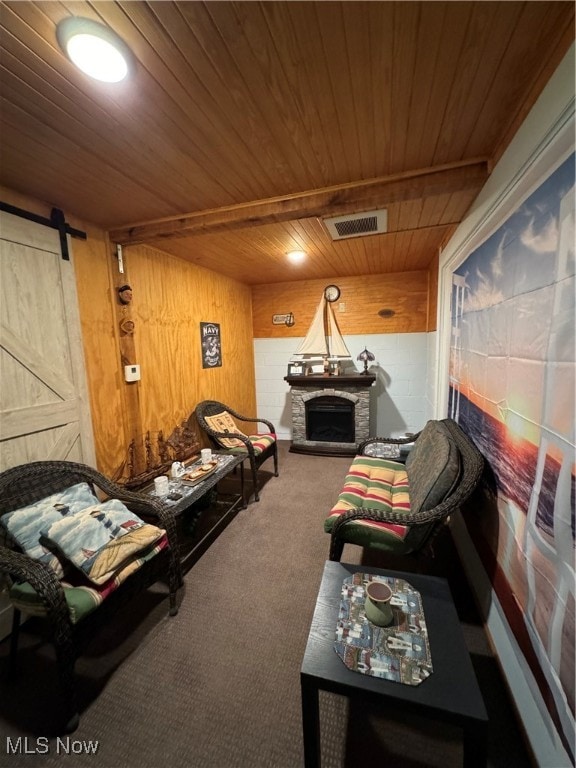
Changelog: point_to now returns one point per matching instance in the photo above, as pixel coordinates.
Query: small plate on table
(199, 472)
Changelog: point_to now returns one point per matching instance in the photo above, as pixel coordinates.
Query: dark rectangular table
(451, 693)
(199, 524)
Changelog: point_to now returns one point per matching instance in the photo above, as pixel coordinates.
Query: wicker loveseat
(399, 508)
(42, 497)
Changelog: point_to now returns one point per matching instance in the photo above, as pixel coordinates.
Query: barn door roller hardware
(56, 221)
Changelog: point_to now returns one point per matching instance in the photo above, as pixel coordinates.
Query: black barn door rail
(56, 221)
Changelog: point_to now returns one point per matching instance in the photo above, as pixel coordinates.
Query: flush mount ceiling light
(296, 257)
(95, 49)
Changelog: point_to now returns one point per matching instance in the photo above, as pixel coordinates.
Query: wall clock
(331, 293)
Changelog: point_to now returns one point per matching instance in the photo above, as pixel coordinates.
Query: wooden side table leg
(310, 723)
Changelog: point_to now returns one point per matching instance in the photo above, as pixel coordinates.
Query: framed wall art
(211, 345)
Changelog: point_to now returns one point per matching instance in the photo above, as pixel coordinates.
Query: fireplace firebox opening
(330, 419)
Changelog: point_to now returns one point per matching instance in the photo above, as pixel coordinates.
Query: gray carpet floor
(218, 686)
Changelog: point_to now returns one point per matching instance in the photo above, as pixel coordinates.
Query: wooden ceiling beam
(337, 200)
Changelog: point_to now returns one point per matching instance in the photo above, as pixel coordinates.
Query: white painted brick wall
(400, 397)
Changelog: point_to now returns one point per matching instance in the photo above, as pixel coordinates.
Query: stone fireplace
(330, 414)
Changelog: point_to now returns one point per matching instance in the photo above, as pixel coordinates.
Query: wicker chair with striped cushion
(219, 422)
(398, 508)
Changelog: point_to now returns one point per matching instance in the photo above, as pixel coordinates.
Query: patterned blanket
(100, 539)
(223, 422)
(26, 524)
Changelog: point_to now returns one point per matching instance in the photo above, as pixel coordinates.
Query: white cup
(177, 470)
(206, 455)
(161, 485)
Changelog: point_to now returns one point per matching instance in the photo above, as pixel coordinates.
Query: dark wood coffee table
(450, 694)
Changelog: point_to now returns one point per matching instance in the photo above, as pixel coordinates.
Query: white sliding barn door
(44, 410)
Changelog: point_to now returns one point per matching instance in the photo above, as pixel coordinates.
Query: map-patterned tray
(399, 652)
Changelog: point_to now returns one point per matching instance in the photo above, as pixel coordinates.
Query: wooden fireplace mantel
(331, 382)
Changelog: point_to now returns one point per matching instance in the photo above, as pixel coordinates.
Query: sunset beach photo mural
(512, 388)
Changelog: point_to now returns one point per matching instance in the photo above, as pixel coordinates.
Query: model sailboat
(324, 340)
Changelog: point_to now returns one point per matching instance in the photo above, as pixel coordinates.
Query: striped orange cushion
(376, 484)
(260, 443)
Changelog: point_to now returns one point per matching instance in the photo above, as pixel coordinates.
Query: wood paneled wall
(92, 266)
(171, 298)
(405, 293)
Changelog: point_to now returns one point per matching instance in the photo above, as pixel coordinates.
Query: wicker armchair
(28, 484)
(216, 420)
(442, 471)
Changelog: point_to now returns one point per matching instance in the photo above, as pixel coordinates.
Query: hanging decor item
(125, 294)
(211, 345)
(517, 286)
(285, 319)
(127, 326)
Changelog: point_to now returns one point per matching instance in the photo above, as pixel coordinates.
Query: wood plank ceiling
(245, 123)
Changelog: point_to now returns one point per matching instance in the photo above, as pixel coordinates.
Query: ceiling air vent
(357, 224)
